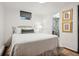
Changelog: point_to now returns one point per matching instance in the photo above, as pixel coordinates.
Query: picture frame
(67, 17)
(24, 15)
(67, 27)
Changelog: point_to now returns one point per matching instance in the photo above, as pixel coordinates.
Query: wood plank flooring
(67, 52)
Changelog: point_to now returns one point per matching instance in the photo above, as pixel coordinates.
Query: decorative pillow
(23, 31)
(16, 30)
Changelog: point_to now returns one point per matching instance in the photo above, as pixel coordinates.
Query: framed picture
(67, 15)
(25, 15)
(67, 27)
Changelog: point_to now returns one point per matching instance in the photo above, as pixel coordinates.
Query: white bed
(30, 38)
(34, 37)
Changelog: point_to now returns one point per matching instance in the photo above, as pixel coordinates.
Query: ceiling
(36, 7)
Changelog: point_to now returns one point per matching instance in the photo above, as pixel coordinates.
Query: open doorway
(55, 21)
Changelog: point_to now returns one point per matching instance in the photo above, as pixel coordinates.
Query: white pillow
(18, 30)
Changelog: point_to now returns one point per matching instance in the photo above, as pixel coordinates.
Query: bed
(32, 44)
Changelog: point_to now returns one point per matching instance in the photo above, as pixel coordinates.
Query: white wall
(69, 40)
(1, 25)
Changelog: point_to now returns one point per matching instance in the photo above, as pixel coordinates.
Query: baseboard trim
(71, 50)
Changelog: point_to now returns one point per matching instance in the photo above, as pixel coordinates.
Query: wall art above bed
(25, 15)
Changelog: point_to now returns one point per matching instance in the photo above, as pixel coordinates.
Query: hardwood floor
(67, 52)
(57, 52)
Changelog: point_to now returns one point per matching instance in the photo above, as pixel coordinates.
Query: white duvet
(30, 37)
(23, 38)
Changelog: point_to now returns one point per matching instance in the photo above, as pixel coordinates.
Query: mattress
(32, 43)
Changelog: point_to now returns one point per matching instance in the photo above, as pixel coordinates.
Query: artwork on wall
(25, 15)
(67, 27)
(67, 17)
